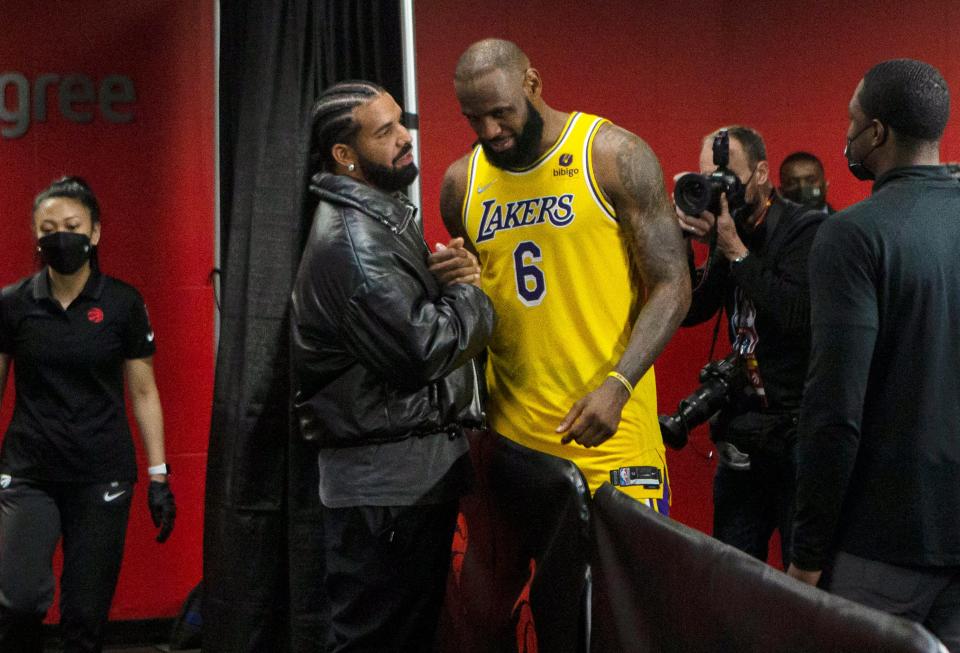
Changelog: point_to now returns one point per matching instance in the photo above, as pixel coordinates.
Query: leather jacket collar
(395, 210)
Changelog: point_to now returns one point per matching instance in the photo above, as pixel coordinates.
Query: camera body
(720, 381)
(695, 193)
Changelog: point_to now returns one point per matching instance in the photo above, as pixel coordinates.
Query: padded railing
(519, 579)
(661, 586)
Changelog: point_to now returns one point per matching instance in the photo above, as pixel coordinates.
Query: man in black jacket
(385, 381)
(879, 455)
(758, 274)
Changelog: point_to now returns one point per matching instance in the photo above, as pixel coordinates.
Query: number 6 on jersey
(531, 285)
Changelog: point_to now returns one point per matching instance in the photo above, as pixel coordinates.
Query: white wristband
(157, 469)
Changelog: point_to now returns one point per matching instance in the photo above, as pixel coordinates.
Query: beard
(525, 149)
(389, 179)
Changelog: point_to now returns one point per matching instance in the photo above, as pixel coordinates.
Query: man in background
(802, 180)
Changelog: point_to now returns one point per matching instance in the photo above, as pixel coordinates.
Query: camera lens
(673, 431)
(717, 379)
(692, 193)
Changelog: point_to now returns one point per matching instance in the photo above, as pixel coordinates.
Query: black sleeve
(397, 331)
(779, 288)
(6, 328)
(709, 285)
(6, 338)
(844, 319)
(138, 338)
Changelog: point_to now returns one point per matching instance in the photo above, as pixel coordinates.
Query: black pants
(927, 595)
(386, 575)
(748, 505)
(92, 519)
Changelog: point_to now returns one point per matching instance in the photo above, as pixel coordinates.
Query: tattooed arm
(630, 176)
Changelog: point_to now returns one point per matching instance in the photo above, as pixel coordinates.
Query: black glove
(163, 510)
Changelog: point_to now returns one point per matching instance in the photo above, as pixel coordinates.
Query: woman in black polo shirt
(67, 466)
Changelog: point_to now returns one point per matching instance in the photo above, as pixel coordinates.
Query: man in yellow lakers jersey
(584, 262)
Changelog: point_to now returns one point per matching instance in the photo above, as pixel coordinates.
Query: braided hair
(332, 118)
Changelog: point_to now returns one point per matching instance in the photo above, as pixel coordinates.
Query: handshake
(454, 263)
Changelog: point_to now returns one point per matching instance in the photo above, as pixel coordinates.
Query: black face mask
(808, 195)
(64, 251)
(858, 168)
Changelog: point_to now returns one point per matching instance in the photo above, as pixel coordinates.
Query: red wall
(154, 177)
(671, 72)
(659, 69)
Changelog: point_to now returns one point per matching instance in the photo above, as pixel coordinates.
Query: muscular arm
(452, 191)
(629, 175)
(145, 400)
(455, 262)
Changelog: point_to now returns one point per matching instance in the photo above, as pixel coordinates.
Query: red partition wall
(122, 94)
(672, 71)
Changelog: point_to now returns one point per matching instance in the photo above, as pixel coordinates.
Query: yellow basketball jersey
(555, 263)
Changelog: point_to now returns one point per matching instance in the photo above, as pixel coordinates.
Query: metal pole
(410, 93)
(215, 278)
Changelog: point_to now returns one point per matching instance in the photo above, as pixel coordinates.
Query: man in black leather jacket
(384, 377)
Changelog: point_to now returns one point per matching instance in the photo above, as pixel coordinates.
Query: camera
(695, 193)
(719, 380)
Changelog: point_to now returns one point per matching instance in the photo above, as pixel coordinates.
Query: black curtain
(262, 563)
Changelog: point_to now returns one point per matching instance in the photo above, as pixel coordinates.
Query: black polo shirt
(69, 421)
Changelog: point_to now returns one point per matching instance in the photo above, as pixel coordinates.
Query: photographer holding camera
(757, 272)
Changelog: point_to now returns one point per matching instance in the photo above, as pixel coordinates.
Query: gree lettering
(77, 97)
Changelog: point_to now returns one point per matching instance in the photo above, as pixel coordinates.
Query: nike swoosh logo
(108, 497)
(483, 188)
(150, 337)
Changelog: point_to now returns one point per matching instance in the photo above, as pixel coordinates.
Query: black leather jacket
(380, 351)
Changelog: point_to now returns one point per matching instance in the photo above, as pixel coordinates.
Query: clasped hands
(453, 263)
(593, 418)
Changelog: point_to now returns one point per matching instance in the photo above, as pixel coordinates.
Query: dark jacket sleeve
(709, 285)
(779, 286)
(6, 338)
(844, 323)
(396, 330)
